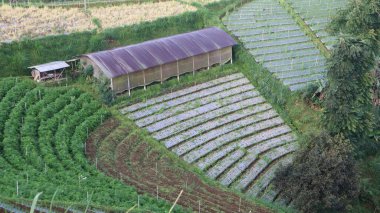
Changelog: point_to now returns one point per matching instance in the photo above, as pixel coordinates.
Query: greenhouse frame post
(161, 73)
(144, 80)
(129, 86)
(177, 71)
(208, 61)
(193, 66)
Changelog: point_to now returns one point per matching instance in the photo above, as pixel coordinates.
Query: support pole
(208, 61)
(177, 71)
(176, 200)
(231, 54)
(144, 80)
(129, 86)
(111, 83)
(193, 66)
(161, 73)
(220, 57)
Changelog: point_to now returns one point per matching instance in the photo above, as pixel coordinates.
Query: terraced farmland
(224, 127)
(317, 14)
(275, 40)
(42, 149)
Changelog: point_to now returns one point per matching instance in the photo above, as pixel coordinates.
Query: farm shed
(157, 60)
(49, 71)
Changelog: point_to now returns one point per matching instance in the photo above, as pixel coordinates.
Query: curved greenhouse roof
(129, 59)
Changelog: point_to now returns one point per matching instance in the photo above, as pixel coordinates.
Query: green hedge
(17, 56)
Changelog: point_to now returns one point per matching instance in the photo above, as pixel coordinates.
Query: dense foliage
(359, 18)
(42, 148)
(348, 103)
(323, 176)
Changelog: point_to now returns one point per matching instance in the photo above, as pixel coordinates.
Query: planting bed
(42, 144)
(275, 40)
(224, 127)
(125, 155)
(317, 14)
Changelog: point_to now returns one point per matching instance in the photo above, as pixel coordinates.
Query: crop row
(277, 42)
(317, 14)
(223, 135)
(43, 149)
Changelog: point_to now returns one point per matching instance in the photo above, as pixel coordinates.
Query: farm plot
(317, 14)
(42, 144)
(275, 40)
(224, 127)
(17, 23)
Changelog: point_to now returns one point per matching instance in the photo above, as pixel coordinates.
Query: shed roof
(132, 58)
(56, 65)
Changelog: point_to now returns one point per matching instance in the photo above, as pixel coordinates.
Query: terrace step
(224, 133)
(264, 162)
(222, 165)
(224, 97)
(223, 130)
(185, 99)
(240, 167)
(269, 195)
(200, 118)
(301, 72)
(181, 93)
(278, 42)
(267, 37)
(256, 138)
(281, 49)
(259, 31)
(291, 54)
(268, 176)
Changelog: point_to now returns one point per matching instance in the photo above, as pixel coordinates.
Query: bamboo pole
(176, 200)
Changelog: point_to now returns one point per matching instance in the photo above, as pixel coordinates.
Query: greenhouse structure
(157, 60)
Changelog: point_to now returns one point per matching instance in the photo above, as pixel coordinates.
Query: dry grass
(16, 23)
(132, 14)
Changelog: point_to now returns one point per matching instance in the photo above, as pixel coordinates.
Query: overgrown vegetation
(323, 176)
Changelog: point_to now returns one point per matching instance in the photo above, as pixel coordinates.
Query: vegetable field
(42, 145)
(275, 40)
(317, 14)
(122, 151)
(224, 127)
(17, 23)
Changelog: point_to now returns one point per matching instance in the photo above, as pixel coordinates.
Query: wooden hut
(157, 60)
(50, 71)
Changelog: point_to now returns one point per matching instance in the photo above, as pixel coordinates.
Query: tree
(348, 103)
(323, 176)
(361, 19)
(105, 91)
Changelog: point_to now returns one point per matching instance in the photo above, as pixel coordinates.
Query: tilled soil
(138, 164)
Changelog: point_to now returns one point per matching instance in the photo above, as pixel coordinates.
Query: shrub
(323, 176)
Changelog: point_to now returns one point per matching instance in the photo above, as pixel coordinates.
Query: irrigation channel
(225, 128)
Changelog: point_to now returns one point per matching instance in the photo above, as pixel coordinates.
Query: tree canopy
(322, 177)
(348, 103)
